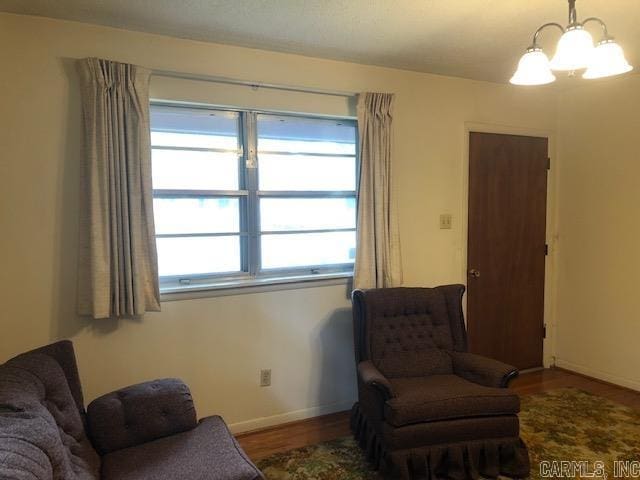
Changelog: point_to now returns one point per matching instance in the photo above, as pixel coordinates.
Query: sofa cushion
(62, 352)
(444, 397)
(28, 445)
(37, 407)
(208, 452)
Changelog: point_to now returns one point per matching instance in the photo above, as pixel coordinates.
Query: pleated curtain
(378, 260)
(117, 264)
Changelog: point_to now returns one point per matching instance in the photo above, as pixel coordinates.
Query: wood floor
(261, 444)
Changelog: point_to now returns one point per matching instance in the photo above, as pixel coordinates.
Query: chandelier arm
(542, 27)
(602, 24)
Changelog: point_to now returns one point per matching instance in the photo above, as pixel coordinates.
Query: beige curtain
(118, 269)
(378, 262)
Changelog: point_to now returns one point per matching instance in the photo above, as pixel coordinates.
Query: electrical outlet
(445, 221)
(265, 377)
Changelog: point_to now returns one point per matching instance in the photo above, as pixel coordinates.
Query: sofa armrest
(371, 376)
(482, 370)
(140, 413)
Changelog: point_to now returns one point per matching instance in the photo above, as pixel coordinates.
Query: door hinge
(548, 163)
(546, 249)
(544, 331)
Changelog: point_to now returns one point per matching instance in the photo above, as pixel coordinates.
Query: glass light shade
(607, 60)
(574, 50)
(533, 69)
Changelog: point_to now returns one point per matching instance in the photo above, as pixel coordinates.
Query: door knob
(474, 273)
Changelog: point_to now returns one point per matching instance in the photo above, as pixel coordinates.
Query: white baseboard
(599, 374)
(273, 420)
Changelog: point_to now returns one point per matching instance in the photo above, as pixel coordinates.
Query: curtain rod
(254, 85)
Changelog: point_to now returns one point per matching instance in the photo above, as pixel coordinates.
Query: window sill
(241, 287)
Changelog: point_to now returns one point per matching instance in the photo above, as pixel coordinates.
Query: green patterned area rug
(560, 425)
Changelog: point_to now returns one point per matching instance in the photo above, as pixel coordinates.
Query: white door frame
(549, 344)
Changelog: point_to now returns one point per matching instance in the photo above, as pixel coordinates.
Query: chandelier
(575, 51)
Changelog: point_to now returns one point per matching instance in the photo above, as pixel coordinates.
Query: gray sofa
(143, 432)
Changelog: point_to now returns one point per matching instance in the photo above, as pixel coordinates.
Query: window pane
(196, 215)
(304, 172)
(307, 249)
(198, 255)
(283, 133)
(195, 128)
(281, 214)
(193, 170)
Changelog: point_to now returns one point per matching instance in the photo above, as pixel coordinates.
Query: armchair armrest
(140, 413)
(371, 376)
(482, 370)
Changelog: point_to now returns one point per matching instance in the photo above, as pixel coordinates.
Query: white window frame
(251, 274)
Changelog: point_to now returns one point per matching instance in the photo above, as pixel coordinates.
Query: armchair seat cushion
(208, 452)
(445, 397)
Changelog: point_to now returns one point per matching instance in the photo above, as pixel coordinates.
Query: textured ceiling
(477, 39)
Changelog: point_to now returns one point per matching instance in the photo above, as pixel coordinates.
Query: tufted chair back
(406, 332)
(42, 418)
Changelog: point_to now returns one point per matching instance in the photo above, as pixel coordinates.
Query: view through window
(242, 195)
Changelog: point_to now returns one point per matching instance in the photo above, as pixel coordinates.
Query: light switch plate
(445, 221)
(265, 377)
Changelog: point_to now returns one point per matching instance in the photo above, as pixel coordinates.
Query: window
(243, 196)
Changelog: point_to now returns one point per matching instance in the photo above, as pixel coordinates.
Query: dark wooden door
(506, 247)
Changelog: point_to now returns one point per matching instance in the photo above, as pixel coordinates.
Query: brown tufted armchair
(427, 408)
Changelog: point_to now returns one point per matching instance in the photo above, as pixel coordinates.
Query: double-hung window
(242, 197)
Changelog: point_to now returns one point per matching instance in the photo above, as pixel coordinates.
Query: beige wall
(599, 235)
(218, 344)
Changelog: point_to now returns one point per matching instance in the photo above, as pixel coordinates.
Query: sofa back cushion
(43, 434)
(63, 353)
(408, 331)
